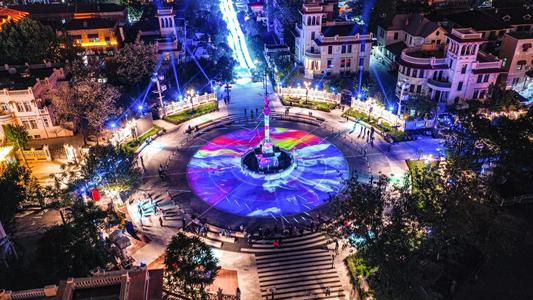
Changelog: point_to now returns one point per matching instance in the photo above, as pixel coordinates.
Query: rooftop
(41, 8)
(19, 79)
(413, 24)
(520, 35)
(481, 20)
(341, 29)
(95, 23)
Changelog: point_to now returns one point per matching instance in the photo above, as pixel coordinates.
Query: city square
(235, 149)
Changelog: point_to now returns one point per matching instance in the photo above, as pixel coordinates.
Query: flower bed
(199, 110)
(385, 128)
(133, 145)
(300, 102)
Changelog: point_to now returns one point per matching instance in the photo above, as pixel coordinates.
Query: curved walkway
(164, 151)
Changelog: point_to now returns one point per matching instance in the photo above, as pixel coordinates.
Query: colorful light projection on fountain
(216, 174)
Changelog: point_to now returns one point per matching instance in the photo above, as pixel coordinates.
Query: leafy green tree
(190, 265)
(29, 41)
(134, 63)
(74, 249)
(12, 184)
(17, 136)
(503, 100)
(111, 168)
(420, 106)
(86, 103)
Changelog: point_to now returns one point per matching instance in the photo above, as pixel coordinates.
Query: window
(20, 108)
(438, 42)
(343, 49)
(437, 33)
(415, 73)
(395, 35)
(348, 63)
(46, 123)
(479, 78)
(26, 124)
(330, 64)
(408, 73)
(418, 89)
(343, 63)
(463, 69)
(422, 73)
(330, 49)
(33, 124)
(411, 88)
(410, 40)
(482, 95)
(27, 106)
(349, 48)
(312, 35)
(460, 86)
(486, 78)
(475, 95)
(520, 64)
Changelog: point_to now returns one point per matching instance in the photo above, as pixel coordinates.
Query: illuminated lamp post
(190, 94)
(156, 79)
(307, 84)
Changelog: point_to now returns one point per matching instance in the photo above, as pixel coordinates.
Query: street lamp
(403, 96)
(190, 94)
(156, 79)
(307, 84)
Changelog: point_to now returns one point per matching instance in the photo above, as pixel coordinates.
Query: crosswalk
(302, 268)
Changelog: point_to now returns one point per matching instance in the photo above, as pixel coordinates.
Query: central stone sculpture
(266, 158)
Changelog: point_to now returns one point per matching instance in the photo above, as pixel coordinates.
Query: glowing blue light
(113, 125)
(180, 97)
(333, 89)
(359, 95)
(391, 108)
(316, 87)
(140, 107)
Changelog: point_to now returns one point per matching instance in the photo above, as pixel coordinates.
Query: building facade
(21, 102)
(327, 47)
(96, 36)
(517, 55)
(460, 72)
(407, 31)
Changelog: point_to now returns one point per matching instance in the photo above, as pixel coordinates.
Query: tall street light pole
(156, 79)
(190, 93)
(307, 83)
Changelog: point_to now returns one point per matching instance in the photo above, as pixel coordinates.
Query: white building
(517, 55)
(461, 72)
(407, 31)
(326, 47)
(21, 101)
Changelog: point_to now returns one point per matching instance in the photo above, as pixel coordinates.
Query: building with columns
(326, 47)
(460, 72)
(21, 101)
(517, 55)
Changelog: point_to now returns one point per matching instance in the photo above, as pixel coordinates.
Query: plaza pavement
(249, 95)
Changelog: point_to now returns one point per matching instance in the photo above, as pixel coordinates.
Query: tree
(87, 103)
(420, 106)
(18, 136)
(134, 63)
(12, 185)
(29, 41)
(74, 249)
(503, 100)
(111, 168)
(190, 264)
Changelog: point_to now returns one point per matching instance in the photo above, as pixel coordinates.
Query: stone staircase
(302, 268)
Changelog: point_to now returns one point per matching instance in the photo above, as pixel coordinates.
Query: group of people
(162, 172)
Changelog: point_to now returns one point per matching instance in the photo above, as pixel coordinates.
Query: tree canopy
(134, 63)
(12, 184)
(74, 249)
(111, 168)
(87, 103)
(190, 264)
(29, 41)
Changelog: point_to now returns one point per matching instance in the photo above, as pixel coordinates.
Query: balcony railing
(312, 54)
(440, 84)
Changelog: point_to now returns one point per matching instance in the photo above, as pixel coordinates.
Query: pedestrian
(169, 195)
(238, 294)
(160, 222)
(160, 170)
(328, 291)
(343, 109)
(196, 127)
(142, 162)
(276, 244)
(332, 261)
(219, 294)
(241, 227)
(336, 246)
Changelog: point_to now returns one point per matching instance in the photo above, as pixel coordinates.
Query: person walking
(332, 260)
(142, 163)
(328, 292)
(238, 294)
(336, 246)
(160, 221)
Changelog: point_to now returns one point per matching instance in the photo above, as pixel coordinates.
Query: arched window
(463, 49)
(314, 20)
(474, 49)
(308, 21)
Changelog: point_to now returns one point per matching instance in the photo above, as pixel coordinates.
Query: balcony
(440, 85)
(423, 58)
(314, 54)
